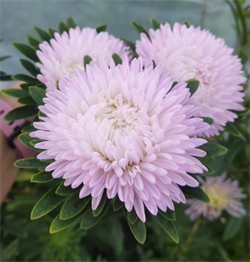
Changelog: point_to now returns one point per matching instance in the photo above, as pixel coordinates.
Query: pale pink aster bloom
(65, 53)
(120, 129)
(224, 194)
(194, 53)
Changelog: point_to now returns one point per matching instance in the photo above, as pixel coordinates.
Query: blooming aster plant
(224, 194)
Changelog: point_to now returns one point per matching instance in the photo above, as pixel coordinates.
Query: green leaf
(117, 204)
(63, 28)
(21, 112)
(132, 217)
(139, 231)
(28, 128)
(195, 193)
(25, 78)
(101, 28)
(209, 172)
(26, 139)
(230, 128)
(47, 203)
(100, 207)
(139, 28)
(89, 220)
(154, 64)
(9, 252)
(25, 87)
(155, 24)
(27, 100)
(4, 58)
(71, 23)
(25, 175)
(37, 94)
(51, 32)
(63, 190)
(168, 226)
(208, 120)
(29, 67)
(73, 206)
(58, 224)
(33, 142)
(169, 214)
(32, 162)
(33, 41)
(5, 77)
(14, 92)
(213, 149)
(28, 51)
(232, 228)
(193, 86)
(42, 34)
(117, 59)
(86, 60)
(186, 23)
(128, 43)
(42, 177)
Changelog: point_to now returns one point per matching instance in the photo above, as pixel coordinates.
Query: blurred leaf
(31, 163)
(25, 78)
(24, 175)
(132, 217)
(5, 77)
(230, 128)
(37, 94)
(42, 34)
(186, 23)
(33, 41)
(117, 204)
(63, 28)
(26, 139)
(213, 149)
(128, 43)
(208, 120)
(140, 29)
(48, 202)
(195, 193)
(155, 24)
(51, 32)
(21, 112)
(73, 206)
(71, 23)
(11, 251)
(89, 220)
(42, 177)
(100, 207)
(28, 128)
(139, 231)
(14, 92)
(25, 86)
(29, 67)
(168, 226)
(86, 60)
(28, 51)
(193, 86)
(169, 214)
(101, 28)
(117, 59)
(4, 58)
(28, 100)
(63, 190)
(232, 228)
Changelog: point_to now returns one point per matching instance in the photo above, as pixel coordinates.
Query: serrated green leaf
(29, 67)
(28, 51)
(47, 203)
(42, 34)
(192, 85)
(25, 78)
(4, 58)
(42, 177)
(186, 23)
(63, 28)
(32, 162)
(232, 228)
(195, 193)
(37, 94)
(27, 100)
(14, 92)
(71, 23)
(139, 231)
(213, 149)
(28, 128)
(51, 32)
(132, 217)
(101, 28)
(86, 60)
(139, 28)
(208, 120)
(73, 206)
(33, 41)
(26, 139)
(100, 207)
(117, 204)
(21, 112)
(169, 214)
(230, 128)
(155, 24)
(63, 190)
(58, 224)
(117, 59)
(128, 43)
(168, 226)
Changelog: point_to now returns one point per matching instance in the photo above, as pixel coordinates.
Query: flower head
(194, 53)
(122, 130)
(65, 53)
(224, 194)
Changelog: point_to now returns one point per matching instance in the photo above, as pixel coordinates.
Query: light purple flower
(65, 53)
(224, 194)
(194, 53)
(120, 129)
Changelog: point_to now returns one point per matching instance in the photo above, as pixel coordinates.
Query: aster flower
(65, 53)
(194, 53)
(224, 194)
(121, 130)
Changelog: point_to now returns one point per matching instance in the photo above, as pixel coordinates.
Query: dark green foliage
(213, 149)
(26, 139)
(195, 193)
(25, 78)
(117, 204)
(169, 214)
(128, 43)
(89, 220)
(139, 230)
(71, 23)
(32, 163)
(14, 92)
(33, 41)
(28, 51)
(132, 217)
(230, 128)
(101, 28)
(42, 34)
(208, 120)
(86, 60)
(100, 207)
(155, 24)
(186, 23)
(29, 67)
(193, 86)
(139, 28)
(117, 59)
(65, 191)
(232, 228)
(27, 100)
(63, 28)
(42, 177)
(21, 112)
(37, 94)
(51, 32)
